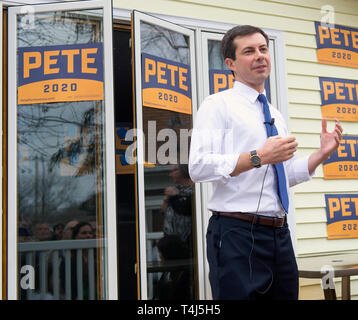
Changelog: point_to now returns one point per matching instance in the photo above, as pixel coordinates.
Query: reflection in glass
(60, 177)
(176, 245)
(164, 43)
(169, 195)
(216, 60)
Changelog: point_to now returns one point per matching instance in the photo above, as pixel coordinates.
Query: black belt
(254, 218)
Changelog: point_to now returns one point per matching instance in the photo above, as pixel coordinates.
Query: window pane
(216, 60)
(60, 157)
(169, 198)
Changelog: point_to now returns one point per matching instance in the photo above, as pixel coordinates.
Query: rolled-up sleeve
(297, 171)
(211, 156)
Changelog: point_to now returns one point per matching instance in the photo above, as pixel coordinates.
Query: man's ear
(230, 64)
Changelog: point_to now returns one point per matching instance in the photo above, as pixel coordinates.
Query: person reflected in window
(81, 231)
(24, 235)
(176, 283)
(58, 231)
(43, 232)
(177, 206)
(67, 231)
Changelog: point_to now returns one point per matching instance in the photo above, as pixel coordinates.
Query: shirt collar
(244, 90)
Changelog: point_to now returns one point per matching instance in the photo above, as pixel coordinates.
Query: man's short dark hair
(227, 43)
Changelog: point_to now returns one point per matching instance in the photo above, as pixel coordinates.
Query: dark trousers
(249, 261)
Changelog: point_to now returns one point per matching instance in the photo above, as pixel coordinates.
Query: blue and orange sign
(166, 84)
(343, 163)
(339, 99)
(338, 45)
(60, 73)
(122, 165)
(220, 80)
(342, 216)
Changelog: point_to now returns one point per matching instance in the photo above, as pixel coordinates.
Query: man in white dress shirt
(249, 247)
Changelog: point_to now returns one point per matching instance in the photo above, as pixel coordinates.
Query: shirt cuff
(301, 170)
(227, 166)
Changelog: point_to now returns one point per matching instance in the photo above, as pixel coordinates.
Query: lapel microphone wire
(252, 226)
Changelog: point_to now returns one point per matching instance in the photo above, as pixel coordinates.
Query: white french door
(61, 168)
(165, 105)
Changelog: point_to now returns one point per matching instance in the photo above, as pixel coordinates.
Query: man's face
(252, 62)
(42, 231)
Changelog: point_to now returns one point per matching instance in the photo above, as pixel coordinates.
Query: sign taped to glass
(220, 80)
(60, 73)
(342, 216)
(166, 84)
(339, 99)
(337, 46)
(343, 163)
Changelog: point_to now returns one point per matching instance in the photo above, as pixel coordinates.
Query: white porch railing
(152, 237)
(54, 252)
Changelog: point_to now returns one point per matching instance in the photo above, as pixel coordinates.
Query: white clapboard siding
(302, 82)
(300, 40)
(340, 6)
(301, 53)
(320, 70)
(310, 215)
(314, 126)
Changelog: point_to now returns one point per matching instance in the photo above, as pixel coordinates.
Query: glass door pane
(62, 149)
(165, 88)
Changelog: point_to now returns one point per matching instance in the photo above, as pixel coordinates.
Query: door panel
(168, 199)
(61, 138)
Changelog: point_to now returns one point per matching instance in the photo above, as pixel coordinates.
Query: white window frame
(110, 275)
(137, 18)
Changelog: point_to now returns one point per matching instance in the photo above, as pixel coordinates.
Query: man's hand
(329, 144)
(277, 149)
(330, 140)
(171, 191)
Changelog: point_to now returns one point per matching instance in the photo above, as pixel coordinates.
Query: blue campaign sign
(339, 99)
(342, 216)
(166, 84)
(60, 73)
(343, 163)
(220, 80)
(337, 45)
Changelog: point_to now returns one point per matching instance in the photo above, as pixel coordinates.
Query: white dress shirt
(227, 124)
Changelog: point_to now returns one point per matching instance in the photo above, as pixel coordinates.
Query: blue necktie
(280, 172)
